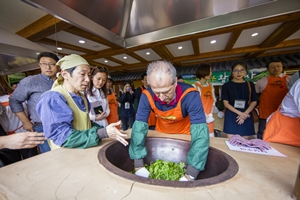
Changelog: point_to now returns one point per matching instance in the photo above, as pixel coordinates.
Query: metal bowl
(219, 166)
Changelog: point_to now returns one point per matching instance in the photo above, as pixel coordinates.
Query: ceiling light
(254, 34)
(125, 57)
(180, 47)
(148, 53)
(106, 61)
(81, 41)
(59, 48)
(213, 41)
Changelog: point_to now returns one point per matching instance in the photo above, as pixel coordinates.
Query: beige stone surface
(77, 174)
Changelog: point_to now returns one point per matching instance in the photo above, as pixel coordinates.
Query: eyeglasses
(238, 71)
(47, 64)
(166, 93)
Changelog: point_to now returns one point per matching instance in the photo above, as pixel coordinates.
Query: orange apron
(171, 121)
(113, 106)
(152, 116)
(207, 102)
(283, 129)
(272, 96)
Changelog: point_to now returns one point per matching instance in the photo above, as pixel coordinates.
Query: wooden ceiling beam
(232, 40)
(65, 45)
(205, 56)
(235, 28)
(137, 65)
(242, 50)
(159, 52)
(167, 53)
(254, 54)
(94, 64)
(196, 47)
(42, 28)
(281, 33)
(212, 60)
(283, 52)
(137, 57)
(243, 26)
(115, 60)
(209, 57)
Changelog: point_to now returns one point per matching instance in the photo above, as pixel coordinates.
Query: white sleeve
(107, 110)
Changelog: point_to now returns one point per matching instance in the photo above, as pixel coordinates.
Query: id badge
(239, 104)
(127, 105)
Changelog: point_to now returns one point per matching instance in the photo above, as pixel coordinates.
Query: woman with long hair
(239, 98)
(97, 96)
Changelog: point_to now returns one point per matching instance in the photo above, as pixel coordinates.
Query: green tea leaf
(165, 170)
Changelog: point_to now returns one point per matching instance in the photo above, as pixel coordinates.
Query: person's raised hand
(114, 133)
(24, 140)
(100, 116)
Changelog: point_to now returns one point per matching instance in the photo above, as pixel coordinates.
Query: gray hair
(162, 67)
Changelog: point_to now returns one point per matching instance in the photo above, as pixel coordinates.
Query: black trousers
(261, 128)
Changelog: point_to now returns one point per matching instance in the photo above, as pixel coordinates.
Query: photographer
(127, 100)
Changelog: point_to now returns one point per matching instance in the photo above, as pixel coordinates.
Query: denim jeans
(125, 122)
(43, 147)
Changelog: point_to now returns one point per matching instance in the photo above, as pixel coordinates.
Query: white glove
(220, 114)
(209, 118)
(183, 178)
(143, 172)
(216, 110)
(186, 178)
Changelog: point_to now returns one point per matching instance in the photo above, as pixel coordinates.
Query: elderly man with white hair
(179, 110)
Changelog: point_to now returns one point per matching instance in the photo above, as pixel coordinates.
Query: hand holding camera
(127, 89)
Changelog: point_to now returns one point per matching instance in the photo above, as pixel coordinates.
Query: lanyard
(237, 97)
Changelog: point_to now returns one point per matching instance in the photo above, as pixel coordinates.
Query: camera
(128, 89)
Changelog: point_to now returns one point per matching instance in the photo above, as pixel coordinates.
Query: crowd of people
(77, 107)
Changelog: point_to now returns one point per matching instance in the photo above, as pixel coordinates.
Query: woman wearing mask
(239, 99)
(97, 96)
(127, 100)
(207, 93)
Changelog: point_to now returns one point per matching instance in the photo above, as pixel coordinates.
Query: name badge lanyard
(239, 103)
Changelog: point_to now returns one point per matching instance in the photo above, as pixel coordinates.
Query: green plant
(165, 170)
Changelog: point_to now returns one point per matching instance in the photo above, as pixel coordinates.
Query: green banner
(221, 77)
(15, 78)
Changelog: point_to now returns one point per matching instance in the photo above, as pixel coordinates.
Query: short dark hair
(130, 83)
(47, 54)
(143, 75)
(272, 62)
(203, 70)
